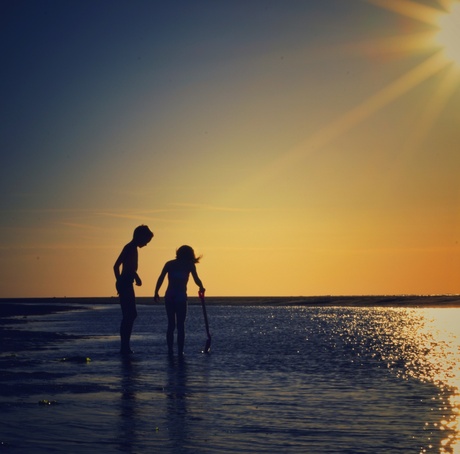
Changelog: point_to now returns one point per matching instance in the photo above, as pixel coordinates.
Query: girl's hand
(138, 281)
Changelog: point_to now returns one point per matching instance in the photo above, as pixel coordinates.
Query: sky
(303, 148)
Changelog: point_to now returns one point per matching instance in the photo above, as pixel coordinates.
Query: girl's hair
(187, 253)
(142, 233)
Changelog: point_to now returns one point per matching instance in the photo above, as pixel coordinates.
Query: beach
(16, 305)
(331, 375)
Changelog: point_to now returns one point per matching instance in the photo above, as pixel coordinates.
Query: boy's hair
(187, 253)
(142, 233)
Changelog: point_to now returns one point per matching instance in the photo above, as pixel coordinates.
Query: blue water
(278, 379)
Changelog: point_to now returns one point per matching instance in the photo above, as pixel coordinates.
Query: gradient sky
(303, 147)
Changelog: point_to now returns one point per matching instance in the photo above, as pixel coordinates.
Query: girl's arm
(196, 278)
(160, 282)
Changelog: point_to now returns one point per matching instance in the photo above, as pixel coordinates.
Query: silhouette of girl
(178, 271)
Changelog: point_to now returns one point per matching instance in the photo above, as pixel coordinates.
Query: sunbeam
(405, 44)
(357, 115)
(431, 113)
(410, 9)
(449, 33)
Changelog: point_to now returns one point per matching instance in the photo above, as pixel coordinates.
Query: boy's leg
(129, 311)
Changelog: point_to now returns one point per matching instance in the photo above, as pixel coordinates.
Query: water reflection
(441, 333)
(430, 353)
(127, 432)
(340, 362)
(414, 344)
(176, 405)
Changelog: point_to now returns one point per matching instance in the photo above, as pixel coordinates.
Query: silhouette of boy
(128, 260)
(178, 272)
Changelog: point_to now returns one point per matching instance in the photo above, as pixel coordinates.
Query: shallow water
(278, 379)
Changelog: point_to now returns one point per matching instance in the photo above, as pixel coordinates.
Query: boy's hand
(138, 281)
(156, 298)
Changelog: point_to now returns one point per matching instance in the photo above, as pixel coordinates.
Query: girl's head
(142, 235)
(187, 253)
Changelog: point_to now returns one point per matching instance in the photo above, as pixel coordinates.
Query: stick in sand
(207, 346)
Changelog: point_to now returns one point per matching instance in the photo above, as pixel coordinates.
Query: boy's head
(142, 235)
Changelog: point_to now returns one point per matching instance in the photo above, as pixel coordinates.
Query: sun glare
(442, 46)
(449, 33)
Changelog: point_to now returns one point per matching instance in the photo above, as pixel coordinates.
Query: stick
(207, 346)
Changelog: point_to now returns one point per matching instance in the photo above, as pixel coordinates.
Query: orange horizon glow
(315, 164)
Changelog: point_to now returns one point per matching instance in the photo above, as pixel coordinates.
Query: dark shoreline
(16, 311)
(15, 335)
(10, 307)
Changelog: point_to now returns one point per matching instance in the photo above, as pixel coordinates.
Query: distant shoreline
(16, 311)
(328, 301)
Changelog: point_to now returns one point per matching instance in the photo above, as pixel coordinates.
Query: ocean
(278, 379)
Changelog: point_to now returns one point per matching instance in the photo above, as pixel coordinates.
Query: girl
(178, 272)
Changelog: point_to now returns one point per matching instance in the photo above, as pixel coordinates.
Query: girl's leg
(171, 313)
(181, 315)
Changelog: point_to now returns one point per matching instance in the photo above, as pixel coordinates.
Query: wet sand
(213, 403)
(42, 306)
(16, 311)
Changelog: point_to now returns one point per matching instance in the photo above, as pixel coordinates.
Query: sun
(439, 45)
(449, 33)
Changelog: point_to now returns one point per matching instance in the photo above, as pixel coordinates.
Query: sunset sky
(303, 147)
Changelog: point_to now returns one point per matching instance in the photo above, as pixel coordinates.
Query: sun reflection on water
(428, 349)
(421, 344)
(443, 326)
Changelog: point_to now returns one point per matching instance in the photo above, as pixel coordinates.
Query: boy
(128, 261)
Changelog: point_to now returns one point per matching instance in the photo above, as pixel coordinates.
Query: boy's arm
(127, 258)
(116, 267)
